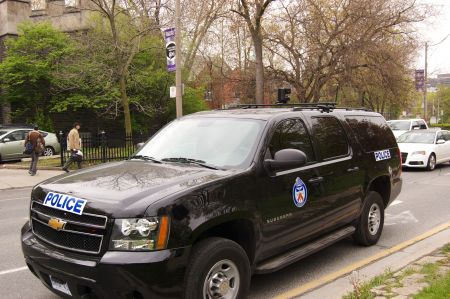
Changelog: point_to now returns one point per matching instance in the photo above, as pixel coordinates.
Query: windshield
(220, 142)
(416, 137)
(399, 125)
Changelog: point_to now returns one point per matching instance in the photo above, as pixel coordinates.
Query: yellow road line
(352, 267)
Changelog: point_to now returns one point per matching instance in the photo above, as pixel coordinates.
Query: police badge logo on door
(299, 193)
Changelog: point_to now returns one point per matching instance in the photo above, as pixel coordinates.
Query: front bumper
(136, 275)
(419, 161)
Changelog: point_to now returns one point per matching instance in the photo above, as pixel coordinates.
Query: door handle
(316, 180)
(354, 169)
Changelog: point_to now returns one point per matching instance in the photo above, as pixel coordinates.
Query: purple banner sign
(420, 80)
(169, 36)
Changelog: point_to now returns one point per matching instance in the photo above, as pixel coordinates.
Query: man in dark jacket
(38, 143)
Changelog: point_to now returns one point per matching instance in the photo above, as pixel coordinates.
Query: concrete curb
(394, 262)
(12, 166)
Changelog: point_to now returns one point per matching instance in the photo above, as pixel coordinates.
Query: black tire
(205, 256)
(431, 165)
(365, 234)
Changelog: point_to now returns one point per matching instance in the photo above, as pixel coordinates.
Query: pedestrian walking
(34, 145)
(74, 146)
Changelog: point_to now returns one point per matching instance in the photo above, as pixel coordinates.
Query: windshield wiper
(146, 158)
(191, 161)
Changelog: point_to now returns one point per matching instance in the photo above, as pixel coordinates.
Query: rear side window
(291, 133)
(372, 132)
(446, 136)
(331, 140)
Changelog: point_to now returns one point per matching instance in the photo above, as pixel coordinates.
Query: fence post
(103, 146)
(62, 147)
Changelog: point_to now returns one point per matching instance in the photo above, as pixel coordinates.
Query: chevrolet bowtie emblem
(56, 224)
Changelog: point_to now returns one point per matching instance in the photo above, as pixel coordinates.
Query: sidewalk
(19, 178)
(380, 269)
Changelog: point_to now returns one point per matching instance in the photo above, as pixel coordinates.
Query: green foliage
(42, 120)
(47, 71)
(27, 72)
(192, 102)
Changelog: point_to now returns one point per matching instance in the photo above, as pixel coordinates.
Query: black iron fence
(102, 148)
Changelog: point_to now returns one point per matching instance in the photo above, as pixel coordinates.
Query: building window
(72, 3)
(38, 4)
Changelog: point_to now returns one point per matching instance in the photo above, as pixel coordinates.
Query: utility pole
(425, 84)
(178, 83)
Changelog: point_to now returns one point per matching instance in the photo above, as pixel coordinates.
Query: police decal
(65, 202)
(382, 155)
(299, 193)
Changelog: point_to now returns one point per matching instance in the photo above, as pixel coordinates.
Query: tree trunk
(259, 69)
(125, 105)
(6, 113)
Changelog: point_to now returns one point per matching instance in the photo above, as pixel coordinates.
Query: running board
(281, 261)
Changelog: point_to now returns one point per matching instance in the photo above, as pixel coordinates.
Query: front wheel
(219, 268)
(431, 165)
(370, 224)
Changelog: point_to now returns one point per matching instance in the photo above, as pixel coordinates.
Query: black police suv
(211, 199)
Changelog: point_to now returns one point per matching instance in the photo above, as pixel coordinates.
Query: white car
(400, 126)
(424, 148)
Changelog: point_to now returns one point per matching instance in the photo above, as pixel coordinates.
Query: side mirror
(286, 159)
(6, 140)
(140, 145)
(440, 141)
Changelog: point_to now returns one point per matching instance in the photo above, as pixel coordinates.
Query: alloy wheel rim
(222, 281)
(48, 152)
(374, 219)
(432, 162)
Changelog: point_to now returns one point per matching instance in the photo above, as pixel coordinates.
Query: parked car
(424, 148)
(12, 143)
(211, 199)
(400, 126)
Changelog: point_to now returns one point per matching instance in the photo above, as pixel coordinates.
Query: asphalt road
(423, 204)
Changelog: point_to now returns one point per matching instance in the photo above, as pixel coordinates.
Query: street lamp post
(178, 83)
(426, 77)
(425, 84)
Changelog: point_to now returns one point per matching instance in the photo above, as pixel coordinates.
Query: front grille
(67, 239)
(91, 219)
(81, 233)
(404, 156)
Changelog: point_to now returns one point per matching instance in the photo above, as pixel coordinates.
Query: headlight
(419, 153)
(140, 234)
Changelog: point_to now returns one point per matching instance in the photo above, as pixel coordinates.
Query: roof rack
(323, 106)
(250, 106)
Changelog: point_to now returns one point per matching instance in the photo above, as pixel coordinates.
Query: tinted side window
(372, 132)
(446, 136)
(422, 124)
(291, 133)
(330, 137)
(440, 135)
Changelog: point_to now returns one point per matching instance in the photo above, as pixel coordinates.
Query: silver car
(12, 143)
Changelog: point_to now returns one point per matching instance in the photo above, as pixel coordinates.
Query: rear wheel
(219, 268)
(370, 224)
(431, 165)
(48, 151)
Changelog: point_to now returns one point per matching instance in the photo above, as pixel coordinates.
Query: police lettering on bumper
(65, 202)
